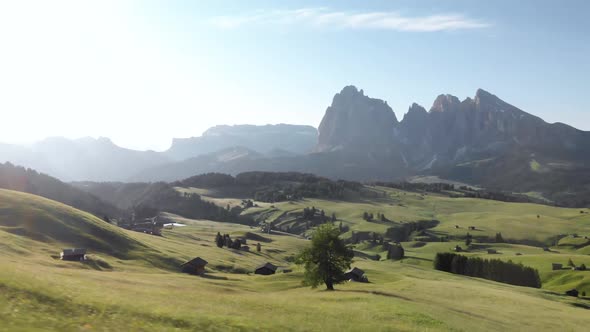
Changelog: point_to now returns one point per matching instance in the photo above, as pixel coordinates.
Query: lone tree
(327, 258)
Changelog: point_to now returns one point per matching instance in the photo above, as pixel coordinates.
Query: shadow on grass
(581, 305)
(379, 293)
(212, 277)
(418, 258)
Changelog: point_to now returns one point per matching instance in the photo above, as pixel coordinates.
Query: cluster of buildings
(151, 226)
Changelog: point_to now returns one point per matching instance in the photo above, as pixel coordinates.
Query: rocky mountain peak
(351, 90)
(416, 108)
(415, 113)
(445, 103)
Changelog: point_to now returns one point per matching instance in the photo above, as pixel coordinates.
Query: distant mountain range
(281, 139)
(81, 159)
(481, 140)
(89, 159)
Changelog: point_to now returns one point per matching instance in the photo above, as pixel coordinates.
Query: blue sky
(144, 72)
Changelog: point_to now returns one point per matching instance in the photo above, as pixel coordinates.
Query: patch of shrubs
(492, 269)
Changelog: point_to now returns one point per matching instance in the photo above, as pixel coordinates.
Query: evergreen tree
(219, 240)
(334, 217)
(499, 238)
(326, 259)
(570, 263)
(468, 239)
(258, 247)
(395, 252)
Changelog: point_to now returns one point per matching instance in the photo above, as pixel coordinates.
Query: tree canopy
(327, 259)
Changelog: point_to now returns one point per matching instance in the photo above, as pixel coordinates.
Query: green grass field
(132, 281)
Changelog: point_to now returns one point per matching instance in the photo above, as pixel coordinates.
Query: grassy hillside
(38, 292)
(529, 228)
(518, 222)
(27, 180)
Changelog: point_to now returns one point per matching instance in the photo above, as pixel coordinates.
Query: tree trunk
(329, 284)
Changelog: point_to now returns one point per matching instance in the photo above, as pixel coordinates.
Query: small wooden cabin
(572, 292)
(556, 266)
(195, 266)
(73, 254)
(492, 251)
(266, 269)
(355, 274)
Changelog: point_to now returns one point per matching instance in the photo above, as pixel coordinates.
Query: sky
(143, 72)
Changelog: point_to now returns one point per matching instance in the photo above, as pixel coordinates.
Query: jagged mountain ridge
(456, 131)
(481, 140)
(451, 131)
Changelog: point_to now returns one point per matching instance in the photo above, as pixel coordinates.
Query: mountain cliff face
(290, 139)
(355, 121)
(480, 128)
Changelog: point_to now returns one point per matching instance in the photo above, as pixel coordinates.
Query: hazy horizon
(141, 73)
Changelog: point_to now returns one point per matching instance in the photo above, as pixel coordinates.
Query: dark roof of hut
(356, 271)
(267, 265)
(196, 262)
(74, 251)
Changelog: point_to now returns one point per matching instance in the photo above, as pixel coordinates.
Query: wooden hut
(556, 266)
(73, 254)
(355, 274)
(195, 266)
(492, 251)
(266, 269)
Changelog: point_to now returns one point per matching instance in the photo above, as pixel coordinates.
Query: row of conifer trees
(492, 269)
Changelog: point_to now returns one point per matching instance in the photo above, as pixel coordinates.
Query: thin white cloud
(377, 20)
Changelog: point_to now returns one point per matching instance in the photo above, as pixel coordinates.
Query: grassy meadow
(132, 281)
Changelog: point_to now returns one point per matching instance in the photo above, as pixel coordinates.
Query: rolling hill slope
(48, 222)
(30, 181)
